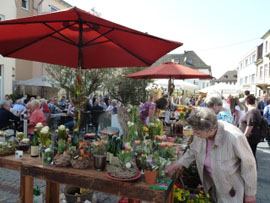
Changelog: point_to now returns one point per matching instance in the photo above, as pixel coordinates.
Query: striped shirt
(232, 163)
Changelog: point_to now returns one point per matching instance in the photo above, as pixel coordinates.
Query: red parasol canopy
(76, 38)
(169, 70)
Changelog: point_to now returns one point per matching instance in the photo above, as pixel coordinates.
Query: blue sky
(221, 32)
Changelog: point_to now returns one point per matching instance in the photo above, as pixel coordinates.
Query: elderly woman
(224, 159)
(37, 116)
(214, 102)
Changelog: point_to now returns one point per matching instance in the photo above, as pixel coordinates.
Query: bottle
(34, 145)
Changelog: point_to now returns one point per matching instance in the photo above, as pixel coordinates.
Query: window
(241, 81)
(253, 58)
(261, 72)
(253, 79)
(266, 45)
(25, 4)
(53, 9)
(246, 80)
(175, 60)
(246, 62)
(266, 73)
(2, 17)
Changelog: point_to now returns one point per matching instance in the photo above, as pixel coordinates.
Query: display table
(89, 178)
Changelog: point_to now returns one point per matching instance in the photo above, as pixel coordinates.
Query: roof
(188, 58)
(266, 34)
(65, 3)
(229, 76)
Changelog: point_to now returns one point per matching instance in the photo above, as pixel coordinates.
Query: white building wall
(263, 68)
(246, 73)
(49, 6)
(7, 11)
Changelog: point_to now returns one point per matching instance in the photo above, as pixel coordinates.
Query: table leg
(52, 192)
(26, 189)
(171, 197)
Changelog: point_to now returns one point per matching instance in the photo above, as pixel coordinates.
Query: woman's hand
(249, 199)
(173, 167)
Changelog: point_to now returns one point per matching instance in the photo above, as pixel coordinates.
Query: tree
(92, 79)
(126, 90)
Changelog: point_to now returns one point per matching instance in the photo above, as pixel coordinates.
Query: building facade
(7, 65)
(230, 78)
(17, 69)
(263, 63)
(246, 72)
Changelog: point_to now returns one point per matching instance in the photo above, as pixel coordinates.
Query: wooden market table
(88, 178)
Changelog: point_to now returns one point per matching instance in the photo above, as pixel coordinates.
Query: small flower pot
(150, 177)
(100, 162)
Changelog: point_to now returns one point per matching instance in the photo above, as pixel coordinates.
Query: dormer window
(225, 76)
(189, 61)
(235, 76)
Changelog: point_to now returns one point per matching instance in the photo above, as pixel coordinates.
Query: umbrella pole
(79, 79)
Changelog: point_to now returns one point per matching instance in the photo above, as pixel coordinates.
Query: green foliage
(61, 146)
(92, 79)
(127, 90)
(124, 157)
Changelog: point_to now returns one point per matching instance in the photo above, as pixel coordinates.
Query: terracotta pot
(150, 177)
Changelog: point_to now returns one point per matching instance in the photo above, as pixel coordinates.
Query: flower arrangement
(47, 156)
(81, 157)
(182, 195)
(44, 136)
(100, 147)
(6, 148)
(62, 132)
(125, 159)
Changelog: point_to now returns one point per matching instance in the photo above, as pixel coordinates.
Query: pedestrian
(250, 123)
(263, 103)
(243, 100)
(214, 101)
(223, 157)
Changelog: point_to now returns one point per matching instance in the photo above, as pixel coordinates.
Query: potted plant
(63, 157)
(81, 157)
(99, 155)
(21, 142)
(150, 169)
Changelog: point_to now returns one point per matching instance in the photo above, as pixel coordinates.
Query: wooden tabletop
(10, 162)
(95, 180)
(109, 132)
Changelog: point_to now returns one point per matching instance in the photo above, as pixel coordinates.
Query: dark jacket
(5, 117)
(261, 106)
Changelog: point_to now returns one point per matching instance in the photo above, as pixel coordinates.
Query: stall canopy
(41, 81)
(222, 88)
(179, 85)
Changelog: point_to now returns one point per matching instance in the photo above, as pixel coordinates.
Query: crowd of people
(53, 112)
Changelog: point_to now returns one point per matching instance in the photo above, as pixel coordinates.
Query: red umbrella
(169, 70)
(76, 38)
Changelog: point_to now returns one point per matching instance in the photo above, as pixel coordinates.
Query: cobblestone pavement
(10, 181)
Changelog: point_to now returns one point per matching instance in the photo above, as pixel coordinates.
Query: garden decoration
(81, 157)
(6, 148)
(99, 154)
(125, 169)
(20, 142)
